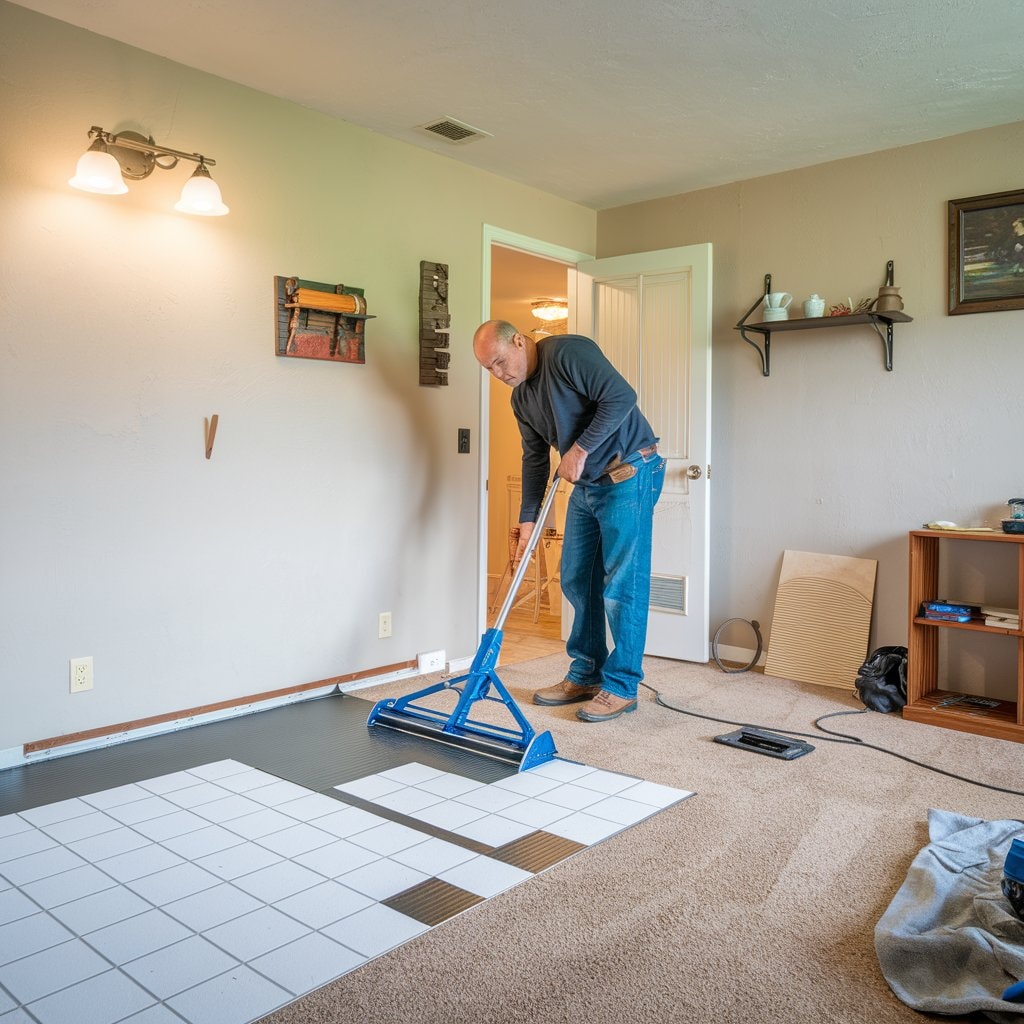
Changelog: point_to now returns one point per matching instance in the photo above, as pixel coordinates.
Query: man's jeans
(606, 571)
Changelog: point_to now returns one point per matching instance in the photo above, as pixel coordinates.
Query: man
(567, 396)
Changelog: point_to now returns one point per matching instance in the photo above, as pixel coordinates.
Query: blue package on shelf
(958, 607)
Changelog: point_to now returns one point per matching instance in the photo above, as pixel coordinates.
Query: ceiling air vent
(456, 132)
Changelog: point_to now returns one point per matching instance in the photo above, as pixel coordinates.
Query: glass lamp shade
(98, 171)
(550, 309)
(201, 195)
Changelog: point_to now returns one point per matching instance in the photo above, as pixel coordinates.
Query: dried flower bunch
(845, 309)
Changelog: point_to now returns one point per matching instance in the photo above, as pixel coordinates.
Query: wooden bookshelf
(924, 698)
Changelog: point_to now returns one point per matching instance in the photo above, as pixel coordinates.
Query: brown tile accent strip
(537, 851)
(432, 901)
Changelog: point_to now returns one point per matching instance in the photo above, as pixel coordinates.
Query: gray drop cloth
(949, 942)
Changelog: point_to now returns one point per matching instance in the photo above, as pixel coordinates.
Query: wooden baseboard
(171, 716)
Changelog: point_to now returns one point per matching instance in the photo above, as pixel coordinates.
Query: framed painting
(986, 253)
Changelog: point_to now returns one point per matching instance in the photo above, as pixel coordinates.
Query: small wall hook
(211, 433)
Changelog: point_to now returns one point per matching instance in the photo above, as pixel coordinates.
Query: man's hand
(525, 530)
(571, 466)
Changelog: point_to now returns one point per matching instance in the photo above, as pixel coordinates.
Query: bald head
(505, 353)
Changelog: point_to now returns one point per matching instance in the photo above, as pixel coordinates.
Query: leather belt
(616, 471)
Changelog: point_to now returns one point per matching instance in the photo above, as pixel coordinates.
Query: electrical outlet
(81, 674)
(432, 661)
(384, 625)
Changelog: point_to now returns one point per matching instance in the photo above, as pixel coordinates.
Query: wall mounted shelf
(767, 329)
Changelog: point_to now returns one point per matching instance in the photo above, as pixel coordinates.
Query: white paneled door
(651, 315)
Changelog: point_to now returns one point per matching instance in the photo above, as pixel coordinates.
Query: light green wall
(334, 491)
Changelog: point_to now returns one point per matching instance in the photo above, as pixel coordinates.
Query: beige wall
(334, 491)
(831, 453)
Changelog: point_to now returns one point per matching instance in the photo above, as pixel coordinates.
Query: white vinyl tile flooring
(218, 894)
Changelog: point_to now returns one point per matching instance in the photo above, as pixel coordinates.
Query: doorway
(670, 331)
(533, 628)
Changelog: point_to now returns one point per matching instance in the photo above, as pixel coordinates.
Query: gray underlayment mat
(218, 893)
(949, 942)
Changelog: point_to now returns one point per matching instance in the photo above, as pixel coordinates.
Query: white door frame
(536, 247)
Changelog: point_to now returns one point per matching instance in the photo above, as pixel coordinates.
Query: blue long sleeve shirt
(574, 396)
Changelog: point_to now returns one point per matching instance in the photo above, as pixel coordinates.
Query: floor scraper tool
(518, 745)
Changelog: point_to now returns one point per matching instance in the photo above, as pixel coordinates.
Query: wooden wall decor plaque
(320, 321)
(435, 323)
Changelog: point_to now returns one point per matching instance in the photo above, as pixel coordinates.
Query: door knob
(693, 472)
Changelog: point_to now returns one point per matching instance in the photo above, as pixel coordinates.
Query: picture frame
(986, 253)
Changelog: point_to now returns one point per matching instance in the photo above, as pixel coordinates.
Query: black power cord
(839, 737)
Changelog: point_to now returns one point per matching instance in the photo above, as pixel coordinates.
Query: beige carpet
(755, 900)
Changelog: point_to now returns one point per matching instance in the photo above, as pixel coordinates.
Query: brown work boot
(565, 692)
(606, 706)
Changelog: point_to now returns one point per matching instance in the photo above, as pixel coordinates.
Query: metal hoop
(755, 625)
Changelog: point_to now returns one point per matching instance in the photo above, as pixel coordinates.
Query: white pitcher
(776, 306)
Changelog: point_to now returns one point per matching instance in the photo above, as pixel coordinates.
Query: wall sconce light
(111, 158)
(550, 309)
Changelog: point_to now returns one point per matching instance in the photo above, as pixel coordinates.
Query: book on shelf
(948, 616)
(957, 607)
(1001, 623)
(999, 613)
(1001, 618)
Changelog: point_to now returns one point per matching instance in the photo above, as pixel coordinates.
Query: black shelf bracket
(766, 352)
(886, 339)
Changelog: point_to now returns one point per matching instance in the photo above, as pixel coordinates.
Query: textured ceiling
(606, 102)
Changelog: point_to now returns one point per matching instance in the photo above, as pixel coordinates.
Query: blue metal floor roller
(516, 743)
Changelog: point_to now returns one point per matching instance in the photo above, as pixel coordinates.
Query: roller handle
(531, 544)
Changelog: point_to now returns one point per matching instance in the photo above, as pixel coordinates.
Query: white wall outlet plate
(432, 661)
(80, 674)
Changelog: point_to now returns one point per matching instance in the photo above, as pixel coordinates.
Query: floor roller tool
(517, 744)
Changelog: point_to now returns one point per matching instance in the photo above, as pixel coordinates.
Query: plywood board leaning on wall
(822, 618)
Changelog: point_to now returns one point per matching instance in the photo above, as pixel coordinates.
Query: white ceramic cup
(775, 313)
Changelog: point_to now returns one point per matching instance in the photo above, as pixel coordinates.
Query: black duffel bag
(882, 679)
